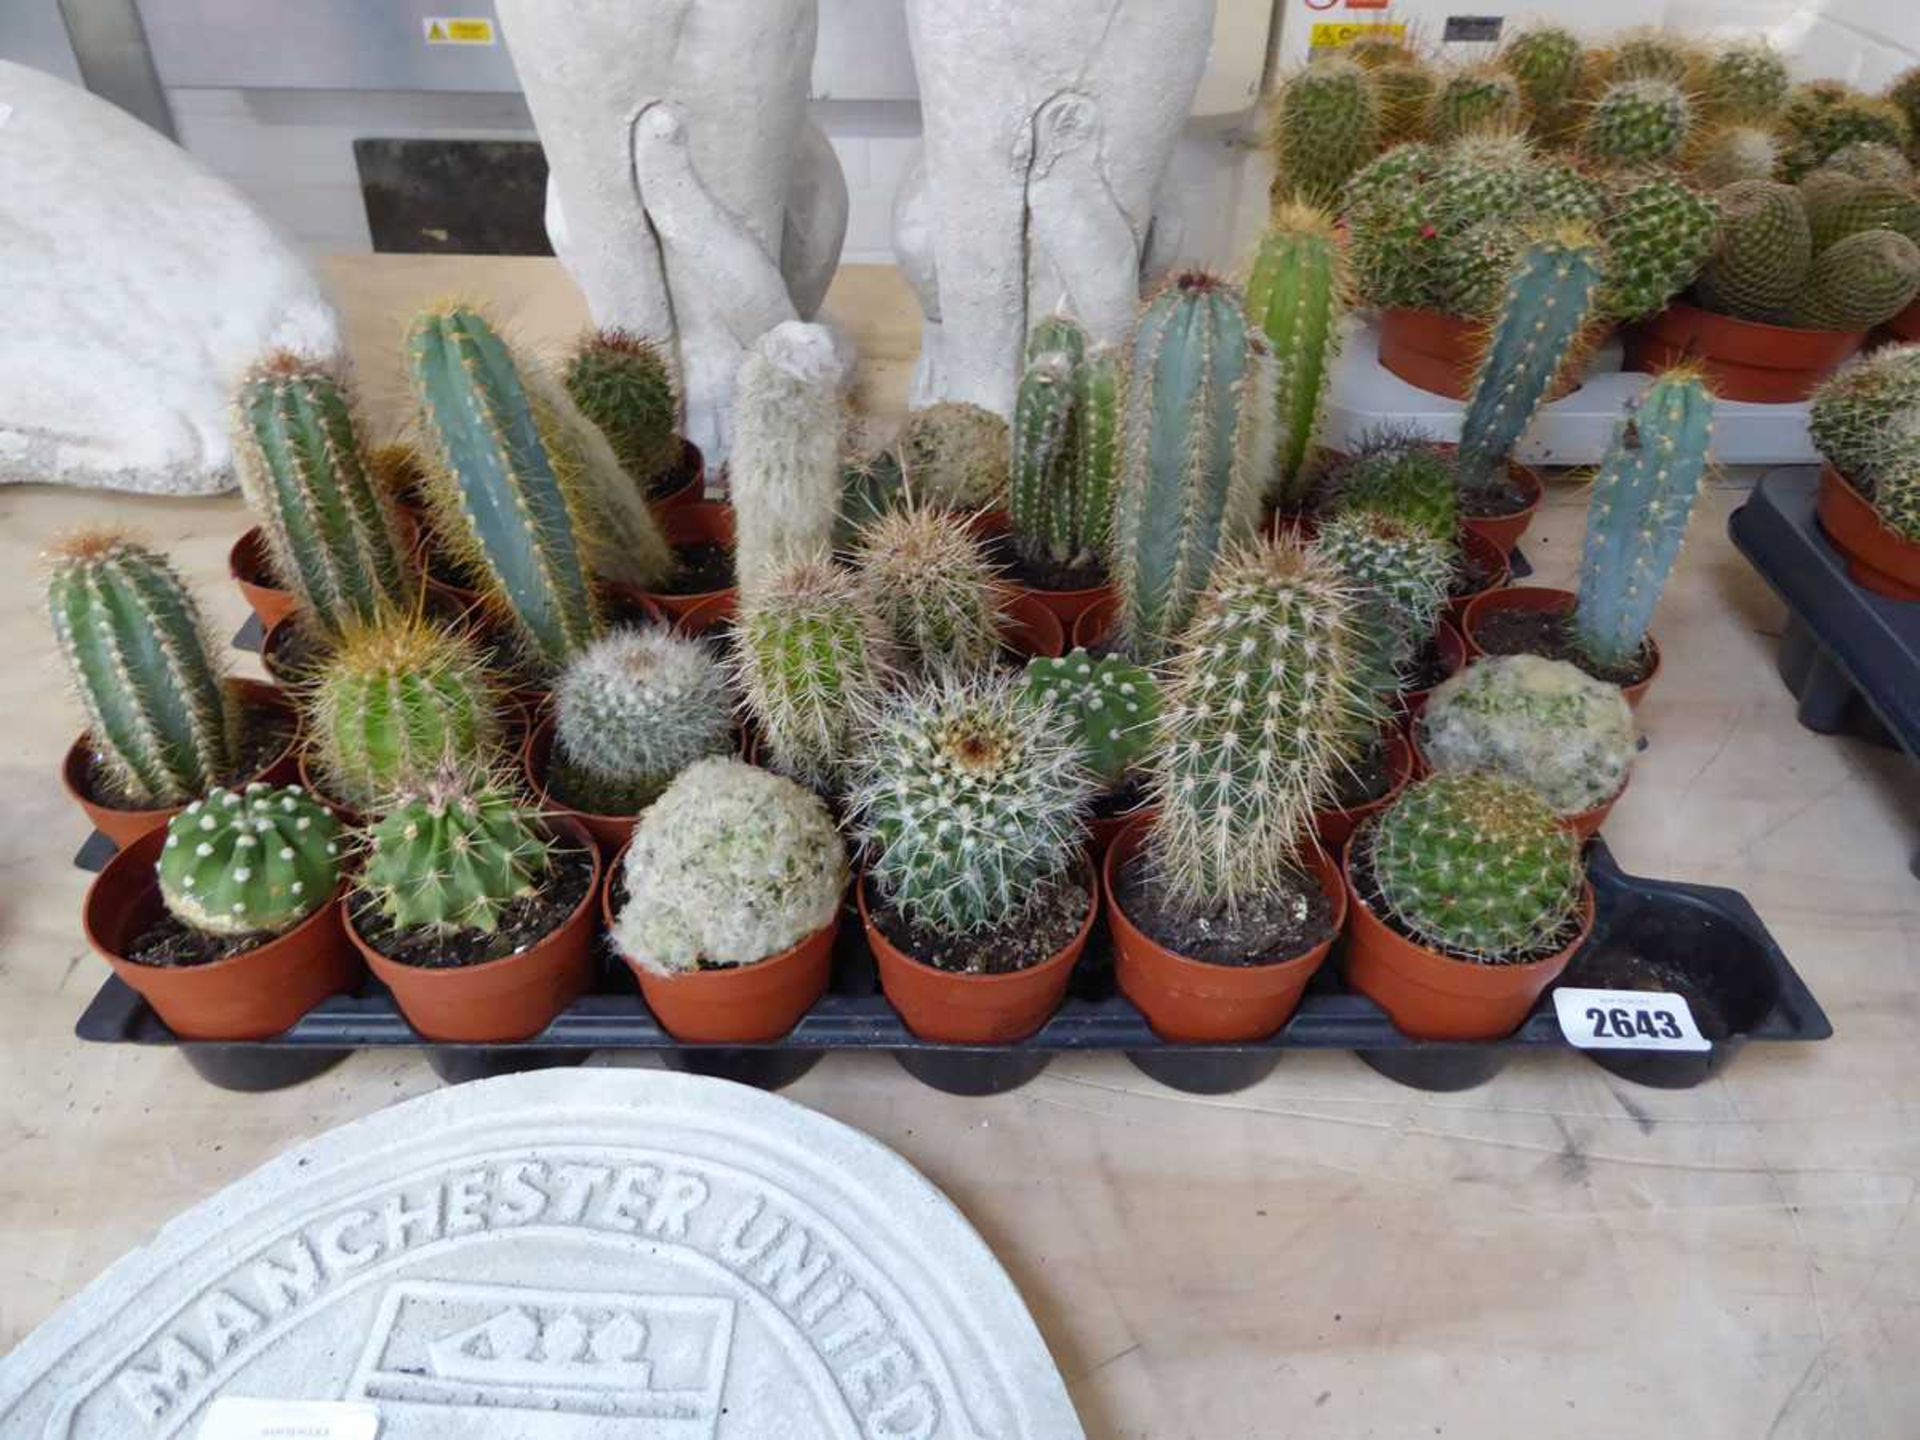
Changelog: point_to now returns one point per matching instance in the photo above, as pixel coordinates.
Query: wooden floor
(1325, 1255)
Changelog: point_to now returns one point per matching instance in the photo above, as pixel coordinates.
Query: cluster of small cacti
(1824, 117)
(785, 470)
(1112, 704)
(454, 854)
(632, 711)
(1866, 422)
(255, 861)
(1066, 453)
(928, 580)
(624, 385)
(1297, 293)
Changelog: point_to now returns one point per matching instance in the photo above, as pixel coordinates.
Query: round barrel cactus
(256, 861)
(635, 709)
(623, 384)
(1546, 61)
(1745, 81)
(1472, 101)
(1760, 262)
(1325, 126)
(1111, 703)
(1637, 122)
(956, 456)
(933, 589)
(1858, 282)
(1866, 419)
(455, 855)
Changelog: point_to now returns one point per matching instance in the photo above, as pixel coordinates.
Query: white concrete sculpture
(688, 193)
(1048, 129)
(565, 1255)
(138, 288)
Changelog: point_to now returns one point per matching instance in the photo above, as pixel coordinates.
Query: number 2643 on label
(1627, 1020)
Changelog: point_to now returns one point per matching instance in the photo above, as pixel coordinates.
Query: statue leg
(815, 223)
(1076, 221)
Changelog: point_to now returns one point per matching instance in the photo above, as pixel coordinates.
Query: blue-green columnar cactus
(137, 653)
(1195, 455)
(1642, 500)
(1065, 446)
(1112, 703)
(1297, 293)
(252, 862)
(634, 709)
(454, 855)
(1546, 307)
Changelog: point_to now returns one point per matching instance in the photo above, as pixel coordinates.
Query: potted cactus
(1113, 707)
(474, 910)
(951, 455)
(1547, 62)
(1297, 292)
(624, 385)
(630, 712)
(1865, 422)
(926, 576)
(1642, 499)
(1466, 900)
(976, 898)
(228, 922)
(727, 901)
(163, 728)
(1327, 121)
(1545, 723)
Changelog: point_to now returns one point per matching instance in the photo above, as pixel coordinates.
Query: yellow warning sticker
(452, 30)
(1337, 35)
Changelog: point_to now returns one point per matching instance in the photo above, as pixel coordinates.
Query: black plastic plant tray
(1711, 937)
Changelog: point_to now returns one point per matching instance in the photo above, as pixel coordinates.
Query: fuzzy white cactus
(729, 866)
(933, 588)
(785, 469)
(639, 706)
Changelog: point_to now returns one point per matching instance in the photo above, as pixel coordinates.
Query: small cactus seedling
(136, 651)
(1642, 499)
(454, 856)
(1637, 122)
(635, 709)
(955, 455)
(252, 862)
(623, 384)
(785, 468)
(1112, 703)
(1065, 447)
(333, 534)
(1325, 126)
(1476, 866)
(926, 577)
(1866, 419)
(1401, 574)
(1545, 723)
(732, 865)
(1297, 294)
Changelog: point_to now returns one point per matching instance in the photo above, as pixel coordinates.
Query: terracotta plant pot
(610, 832)
(273, 649)
(1453, 658)
(1905, 325)
(1431, 996)
(1544, 600)
(710, 614)
(123, 827)
(247, 562)
(685, 484)
(1742, 359)
(1191, 1002)
(1334, 826)
(1103, 830)
(1585, 823)
(952, 1009)
(1066, 606)
(1489, 559)
(1094, 625)
(1878, 556)
(695, 523)
(1027, 626)
(1503, 532)
(253, 995)
(500, 1002)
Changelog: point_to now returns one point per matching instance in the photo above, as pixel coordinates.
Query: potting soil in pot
(1123, 799)
(1278, 925)
(171, 945)
(1626, 970)
(1470, 575)
(1044, 573)
(1370, 777)
(524, 922)
(1427, 670)
(1493, 502)
(1046, 927)
(1536, 632)
(264, 735)
(1369, 894)
(703, 567)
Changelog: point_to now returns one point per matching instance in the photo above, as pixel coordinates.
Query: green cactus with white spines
(732, 865)
(1545, 723)
(1637, 122)
(811, 657)
(1325, 126)
(1657, 233)
(1297, 294)
(1112, 704)
(334, 536)
(252, 862)
(1065, 446)
(955, 455)
(788, 422)
(1764, 249)
(1731, 153)
(1475, 100)
(1823, 118)
(1746, 83)
(1476, 866)
(1546, 62)
(1860, 281)
(1865, 419)
(1872, 160)
(624, 385)
(1199, 407)
(1402, 574)
(454, 855)
(395, 701)
(1642, 499)
(926, 577)
(1849, 205)
(632, 711)
(1401, 475)
(1547, 306)
(135, 646)
(970, 804)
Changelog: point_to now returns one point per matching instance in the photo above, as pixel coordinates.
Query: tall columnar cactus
(1760, 262)
(1198, 406)
(1731, 153)
(1065, 447)
(1476, 866)
(1858, 282)
(1866, 419)
(933, 588)
(394, 702)
(1112, 704)
(334, 535)
(136, 650)
(1637, 122)
(1637, 517)
(954, 455)
(454, 856)
(1476, 100)
(1325, 125)
(635, 709)
(1400, 572)
(624, 385)
(970, 804)
(730, 866)
(1297, 294)
(785, 469)
(509, 504)
(1547, 305)
(1402, 476)
(1657, 233)
(1744, 82)
(812, 659)
(252, 862)
(1545, 60)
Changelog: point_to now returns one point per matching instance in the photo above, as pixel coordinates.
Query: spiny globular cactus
(1545, 60)
(1402, 476)
(1199, 404)
(334, 536)
(970, 805)
(635, 709)
(1727, 154)
(1871, 160)
(136, 650)
(1744, 82)
(1475, 100)
(1845, 205)
(1760, 261)
(1400, 572)
(1866, 418)
(1860, 281)
(785, 469)
(1065, 447)
(1325, 126)
(1637, 122)
(1476, 866)
(1904, 95)
(1642, 499)
(954, 455)
(732, 865)
(393, 702)
(811, 658)
(454, 855)
(623, 384)
(1404, 90)
(933, 588)
(1657, 233)
(1547, 305)
(1262, 705)
(250, 862)
(1824, 118)
(1297, 294)
(1112, 704)
(1545, 723)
